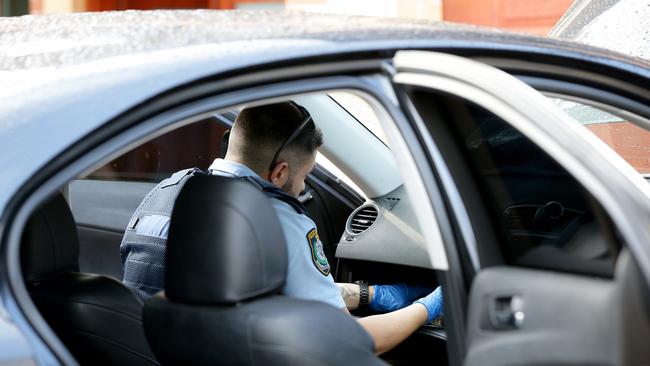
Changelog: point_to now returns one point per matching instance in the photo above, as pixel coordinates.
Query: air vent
(362, 219)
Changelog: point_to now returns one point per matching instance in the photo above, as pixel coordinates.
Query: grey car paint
(15, 348)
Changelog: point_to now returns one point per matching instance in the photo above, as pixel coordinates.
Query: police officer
(277, 144)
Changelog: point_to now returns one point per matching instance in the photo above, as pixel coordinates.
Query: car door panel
(633, 302)
(102, 210)
(105, 204)
(518, 315)
(99, 251)
(559, 325)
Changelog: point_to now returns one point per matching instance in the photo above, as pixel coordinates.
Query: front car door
(550, 225)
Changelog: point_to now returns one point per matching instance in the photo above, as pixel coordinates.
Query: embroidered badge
(317, 253)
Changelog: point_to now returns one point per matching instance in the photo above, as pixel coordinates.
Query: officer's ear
(279, 176)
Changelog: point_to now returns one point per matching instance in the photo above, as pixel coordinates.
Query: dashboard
(385, 230)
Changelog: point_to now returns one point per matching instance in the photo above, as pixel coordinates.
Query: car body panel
(56, 41)
(15, 348)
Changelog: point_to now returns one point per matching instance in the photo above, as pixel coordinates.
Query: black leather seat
(97, 318)
(225, 268)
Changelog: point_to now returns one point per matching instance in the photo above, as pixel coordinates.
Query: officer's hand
(433, 303)
(396, 296)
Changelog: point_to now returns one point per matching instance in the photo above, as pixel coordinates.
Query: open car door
(548, 252)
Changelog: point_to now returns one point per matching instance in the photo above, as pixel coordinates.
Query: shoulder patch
(317, 253)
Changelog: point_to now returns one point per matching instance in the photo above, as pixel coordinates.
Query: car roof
(63, 76)
(66, 39)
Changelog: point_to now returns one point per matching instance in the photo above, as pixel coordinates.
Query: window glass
(324, 162)
(550, 220)
(543, 217)
(362, 112)
(194, 145)
(629, 140)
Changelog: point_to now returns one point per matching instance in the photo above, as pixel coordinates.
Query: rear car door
(550, 224)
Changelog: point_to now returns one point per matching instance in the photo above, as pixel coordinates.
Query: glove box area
(429, 342)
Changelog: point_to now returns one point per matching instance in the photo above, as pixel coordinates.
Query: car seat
(97, 318)
(226, 265)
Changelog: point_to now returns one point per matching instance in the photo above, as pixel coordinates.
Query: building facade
(533, 16)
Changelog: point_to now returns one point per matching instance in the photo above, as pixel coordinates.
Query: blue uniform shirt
(308, 272)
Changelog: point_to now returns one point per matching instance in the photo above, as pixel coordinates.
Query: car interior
(537, 215)
(92, 212)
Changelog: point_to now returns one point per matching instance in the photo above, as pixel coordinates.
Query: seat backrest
(225, 269)
(97, 318)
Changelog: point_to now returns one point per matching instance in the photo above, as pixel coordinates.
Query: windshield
(361, 111)
(622, 26)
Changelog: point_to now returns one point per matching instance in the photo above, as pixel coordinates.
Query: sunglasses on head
(293, 136)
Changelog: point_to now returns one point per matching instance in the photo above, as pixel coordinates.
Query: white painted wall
(415, 9)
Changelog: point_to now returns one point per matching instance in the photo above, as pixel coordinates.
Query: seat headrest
(50, 244)
(225, 243)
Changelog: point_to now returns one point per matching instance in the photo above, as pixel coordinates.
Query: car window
(548, 218)
(629, 140)
(194, 145)
(541, 216)
(324, 162)
(358, 108)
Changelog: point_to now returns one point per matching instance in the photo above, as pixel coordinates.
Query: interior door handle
(507, 312)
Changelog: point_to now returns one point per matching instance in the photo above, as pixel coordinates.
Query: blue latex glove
(396, 296)
(434, 304)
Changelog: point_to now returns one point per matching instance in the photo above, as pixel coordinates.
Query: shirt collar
(232, 168)
(240, 170)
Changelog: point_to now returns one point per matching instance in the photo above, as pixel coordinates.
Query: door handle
(507, 312)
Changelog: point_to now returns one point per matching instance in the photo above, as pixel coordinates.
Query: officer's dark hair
(261, 130)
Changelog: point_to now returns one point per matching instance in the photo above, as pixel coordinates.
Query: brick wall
(534, 16)
(628, 140)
